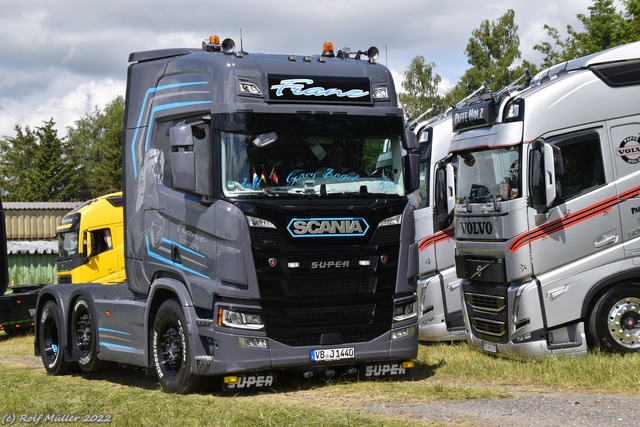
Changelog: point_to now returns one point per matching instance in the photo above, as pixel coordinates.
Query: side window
(583, 164)
(100, 241)
(163, 143)
(187, 155)
(420, 198)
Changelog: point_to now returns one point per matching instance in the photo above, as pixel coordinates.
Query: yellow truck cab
(91, 242)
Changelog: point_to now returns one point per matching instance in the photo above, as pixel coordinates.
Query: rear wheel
(170, 349)
(50, 334)
(614, 321)
(84, 337)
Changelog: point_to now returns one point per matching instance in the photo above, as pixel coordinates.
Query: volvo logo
(476, 227)
(327, 227)
(479, 270)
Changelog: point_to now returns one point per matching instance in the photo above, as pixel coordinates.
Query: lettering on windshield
(298, 176)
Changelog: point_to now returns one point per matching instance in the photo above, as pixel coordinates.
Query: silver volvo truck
(547, 217)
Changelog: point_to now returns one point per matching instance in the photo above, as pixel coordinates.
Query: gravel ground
(527, 409)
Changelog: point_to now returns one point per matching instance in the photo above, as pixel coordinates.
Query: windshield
(311, 166)
(67, 244)
(483, 175)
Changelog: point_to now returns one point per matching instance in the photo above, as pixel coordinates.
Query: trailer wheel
(614, 321)
(84, 336)
(170, 350)
(50, 335)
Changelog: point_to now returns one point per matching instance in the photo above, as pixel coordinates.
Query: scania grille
(486, 305)
(326, 295)
(335, 314)
(387, 235)
(325, 288)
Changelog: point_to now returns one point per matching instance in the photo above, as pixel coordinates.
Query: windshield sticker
(298, 176)
(297, 87)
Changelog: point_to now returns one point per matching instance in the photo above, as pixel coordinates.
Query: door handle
(453, 286)
(606, 240)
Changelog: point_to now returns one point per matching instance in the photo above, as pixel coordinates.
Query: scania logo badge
(327, 227)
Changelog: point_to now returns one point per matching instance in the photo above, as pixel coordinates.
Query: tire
(50, 334)
(614, 321)
(84, 335)
(170, 350)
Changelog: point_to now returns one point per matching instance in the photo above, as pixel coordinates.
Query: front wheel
(84, 337)
(50, 334)
(614, 321)
(170, 350)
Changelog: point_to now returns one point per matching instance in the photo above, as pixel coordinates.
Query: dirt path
(526, 409)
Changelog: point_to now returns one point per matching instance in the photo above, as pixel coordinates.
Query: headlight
(259, 222)
(394, 220)
(404, 312)
(238, 319)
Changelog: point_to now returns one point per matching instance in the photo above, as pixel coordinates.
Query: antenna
(241, 47)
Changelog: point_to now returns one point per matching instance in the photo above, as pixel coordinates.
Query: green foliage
(95, 147)
(421, 86)
(16, 162)
(34, 165)
(38, 166)
(493, 53)
(604, 27)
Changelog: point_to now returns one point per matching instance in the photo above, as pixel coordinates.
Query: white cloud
(62, 59)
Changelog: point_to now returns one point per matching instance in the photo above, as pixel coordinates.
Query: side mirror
(183, 160)
(87, 245)
(553, 170)
(410, 141)
(451, 187)
(411, 172)
(546, 166)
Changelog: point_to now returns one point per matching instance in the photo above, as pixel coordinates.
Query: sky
(62, 59)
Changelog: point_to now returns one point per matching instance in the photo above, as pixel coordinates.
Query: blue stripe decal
(113, 331)
(184, 248)
(168, 261)
(124, 347)
(168, 107)
(141, 115)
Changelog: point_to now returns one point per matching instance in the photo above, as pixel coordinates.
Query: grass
(443, 372)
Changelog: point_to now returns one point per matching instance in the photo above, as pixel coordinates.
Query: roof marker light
(212, 44)
(327, 50)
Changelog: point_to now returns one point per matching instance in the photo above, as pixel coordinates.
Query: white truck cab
(547, 217)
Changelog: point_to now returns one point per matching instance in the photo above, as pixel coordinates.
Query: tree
(49, 176)
(96, 151)
(34, 165)
(16, 160)
(605, 27)
(421, 86)
(493, 52)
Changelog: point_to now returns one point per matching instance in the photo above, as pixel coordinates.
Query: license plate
(489, 347)
(331, 354)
